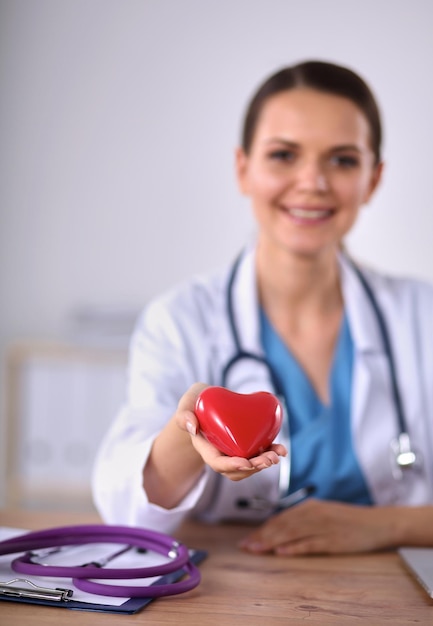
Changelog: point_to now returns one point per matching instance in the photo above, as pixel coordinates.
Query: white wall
(118, 120)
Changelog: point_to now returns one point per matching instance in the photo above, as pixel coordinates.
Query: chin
(311, 252)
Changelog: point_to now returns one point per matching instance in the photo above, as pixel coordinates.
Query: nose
(311, 177)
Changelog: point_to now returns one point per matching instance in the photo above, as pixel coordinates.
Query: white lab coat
(184, 337)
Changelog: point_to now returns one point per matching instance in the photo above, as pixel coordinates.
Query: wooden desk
(243, 589)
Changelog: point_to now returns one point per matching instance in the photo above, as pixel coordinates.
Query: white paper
(79, 555)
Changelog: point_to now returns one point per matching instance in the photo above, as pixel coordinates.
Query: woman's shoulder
(192, 301)
(201, 289)
(400, 289)
(208, 293)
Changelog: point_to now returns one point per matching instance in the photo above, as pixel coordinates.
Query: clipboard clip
(33, 591)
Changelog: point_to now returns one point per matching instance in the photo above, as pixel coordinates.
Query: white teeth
(308, 213)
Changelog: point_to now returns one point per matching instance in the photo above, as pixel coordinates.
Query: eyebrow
(345, 147)
(293, 144)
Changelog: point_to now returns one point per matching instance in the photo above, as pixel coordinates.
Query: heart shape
(239, 424)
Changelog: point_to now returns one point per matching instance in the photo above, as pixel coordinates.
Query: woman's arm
(315, 527)
(180, 453)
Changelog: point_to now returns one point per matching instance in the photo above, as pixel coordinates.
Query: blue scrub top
(321, 436)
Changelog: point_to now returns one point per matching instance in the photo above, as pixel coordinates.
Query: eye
(345, 161)
(282, 154)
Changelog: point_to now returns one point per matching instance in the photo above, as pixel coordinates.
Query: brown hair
(322, 76)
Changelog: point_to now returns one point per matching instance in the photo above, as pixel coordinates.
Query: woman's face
(309, 170)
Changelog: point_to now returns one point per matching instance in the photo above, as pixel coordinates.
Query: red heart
(239, 424)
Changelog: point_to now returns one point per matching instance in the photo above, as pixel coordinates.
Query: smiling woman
(339, 344)
(308, 169)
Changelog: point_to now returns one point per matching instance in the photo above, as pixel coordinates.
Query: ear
(376, 177)
(241, 161)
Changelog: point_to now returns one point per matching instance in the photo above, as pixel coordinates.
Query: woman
(310, 159)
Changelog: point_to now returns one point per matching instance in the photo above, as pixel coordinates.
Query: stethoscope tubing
(137, 591)
(387, 347)
(241, 354)
(85, 534)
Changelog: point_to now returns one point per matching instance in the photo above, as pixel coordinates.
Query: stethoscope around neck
(402, 455)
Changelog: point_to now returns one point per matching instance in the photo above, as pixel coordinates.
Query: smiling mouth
(308, 215)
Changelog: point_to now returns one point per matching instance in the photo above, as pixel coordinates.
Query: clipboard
(62, 593)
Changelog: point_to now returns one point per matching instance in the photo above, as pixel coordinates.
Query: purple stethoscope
(80, 535)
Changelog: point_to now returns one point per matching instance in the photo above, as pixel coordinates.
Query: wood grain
(243, 589)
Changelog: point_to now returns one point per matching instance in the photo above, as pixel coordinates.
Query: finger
(217, 460)
(185, 417)
(279, 449)
(187, 420)
(267, 459)
(280, 529)
(238, 475)
(189, 398)
(304, 546)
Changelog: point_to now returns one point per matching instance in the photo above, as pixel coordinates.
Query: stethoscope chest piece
(403, 456)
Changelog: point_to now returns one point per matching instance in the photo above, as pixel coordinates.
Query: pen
(262, 504)
(296, 497)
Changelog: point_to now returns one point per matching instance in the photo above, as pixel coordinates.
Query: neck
(294, 284)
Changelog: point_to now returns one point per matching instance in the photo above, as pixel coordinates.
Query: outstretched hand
(235, 468)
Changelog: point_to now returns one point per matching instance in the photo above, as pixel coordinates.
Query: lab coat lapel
(374, 419)
(247, 376)
(373, 423)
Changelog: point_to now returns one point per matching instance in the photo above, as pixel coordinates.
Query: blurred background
(118, 123)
